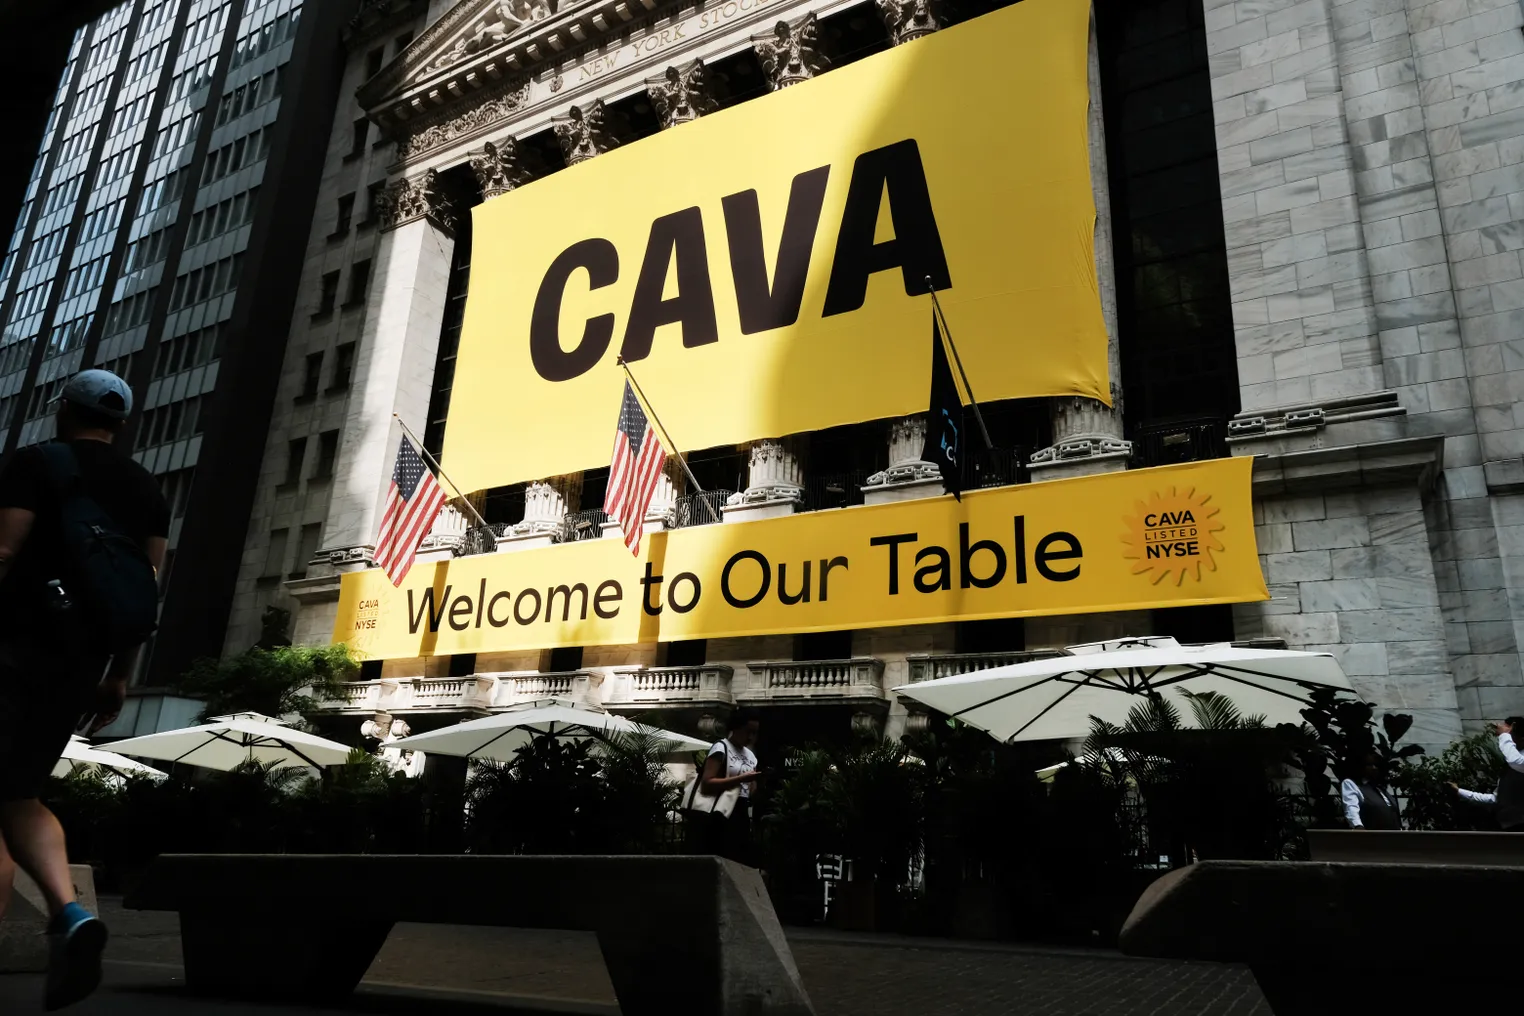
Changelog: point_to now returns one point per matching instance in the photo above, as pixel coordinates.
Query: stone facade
(1369, 157)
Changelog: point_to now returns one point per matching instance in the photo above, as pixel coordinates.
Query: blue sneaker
(76, 939)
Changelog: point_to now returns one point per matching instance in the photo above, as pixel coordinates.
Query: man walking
(80, 525)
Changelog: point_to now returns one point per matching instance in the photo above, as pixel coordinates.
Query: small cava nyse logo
(1172, 535)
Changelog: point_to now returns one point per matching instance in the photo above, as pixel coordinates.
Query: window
(462, 665)
(346, 214)
(373, 61)
(296, 450)
(306, 549)
(357, 144)
(310, 377)
(685, 652)
(275, 554)
(328, 453)
(373, 196)
(564, 659)
(343, 366)
(329, 294)
(359, 282)
(823, 645)
(401, 43)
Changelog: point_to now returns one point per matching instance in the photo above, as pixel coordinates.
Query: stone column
(394, 367)
(546, 505)
(1087, 434)
(909, 475)
(774, 484)
(584, 133)
(908, 20)
(681, 93)
(790, 53)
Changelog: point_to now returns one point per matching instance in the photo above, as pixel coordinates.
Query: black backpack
(108, 583)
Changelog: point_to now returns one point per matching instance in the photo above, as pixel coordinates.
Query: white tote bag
(694, 798)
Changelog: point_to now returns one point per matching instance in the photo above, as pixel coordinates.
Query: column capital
(790, 53)
(775, 474)
(583, 132)
(908, 20)
(416, 197)
(681, 93)
(499, 167)
(907, 440)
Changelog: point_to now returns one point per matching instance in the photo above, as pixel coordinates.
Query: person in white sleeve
(731, 764)
(1507, 798)
(1367, 802)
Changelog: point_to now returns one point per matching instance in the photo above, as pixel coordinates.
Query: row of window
(230, 158)
(217, 219)
(76, 144)
(38, 403)
(343, 372)
(32, 300)
(176, 487)
(46, 247)
(146, 63)
(129, 115)
(15, 355)
(85, 277)
(307, 548)
(191, 80)
(130, 312)
(69, 335)
(183, 352)
(121, 366)
(177, 420)
(116, 167)
(262, 40)
(61, 194)
(102, 220)
(204, 283)
(249, 96)
(157, 16)
(163, 191)
(204, 28)
(359, 285)
(176, 135)
(94, 94)
(149, 250)
(296, 454)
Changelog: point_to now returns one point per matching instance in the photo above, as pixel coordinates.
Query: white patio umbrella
(1055, 698)
(498, 736)
(80, 755)
(229, 741)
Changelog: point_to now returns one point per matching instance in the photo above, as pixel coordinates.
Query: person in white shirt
(1367, 802)
(1508, 797)
(731, 763)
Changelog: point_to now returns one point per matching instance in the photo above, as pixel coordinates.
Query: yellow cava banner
(764, 269)
(1164, 537)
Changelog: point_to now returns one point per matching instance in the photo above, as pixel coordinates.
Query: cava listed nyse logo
(1172, 535)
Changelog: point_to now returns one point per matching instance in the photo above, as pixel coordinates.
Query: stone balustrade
(476, 693)
(708, 685)
(860, 678)
(926, 667)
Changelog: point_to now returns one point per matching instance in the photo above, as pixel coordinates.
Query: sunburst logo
(1173, 534)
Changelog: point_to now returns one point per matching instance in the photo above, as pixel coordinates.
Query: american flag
(637, 465)
(412, 503)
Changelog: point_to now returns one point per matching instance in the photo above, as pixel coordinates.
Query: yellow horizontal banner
(1164, 537)
(763, 268)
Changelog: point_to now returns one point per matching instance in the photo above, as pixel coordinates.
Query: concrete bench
(680, 935)
(1379, 846)
(1325, 937)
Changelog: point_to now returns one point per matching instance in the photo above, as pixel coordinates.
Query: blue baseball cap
(100, 391)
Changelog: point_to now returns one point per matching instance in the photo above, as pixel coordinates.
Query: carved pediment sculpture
(499, 167)
(681, 93)
(584, 133)
(499, 21)
(485, 115)
(413, 198)
(910, 19)
(790, 53)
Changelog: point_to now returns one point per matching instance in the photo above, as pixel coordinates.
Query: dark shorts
(41, 703)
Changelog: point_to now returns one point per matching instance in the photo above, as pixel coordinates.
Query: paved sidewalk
(443, 970)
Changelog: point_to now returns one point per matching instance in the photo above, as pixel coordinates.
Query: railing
(434, 691)
(705, 683)
(700, 509)
(586, 525)
(1161, 444)
(926, 668)
(834, 490)
(859, 676)
(513, 688)
(994, 467)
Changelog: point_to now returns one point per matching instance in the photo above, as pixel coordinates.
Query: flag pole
(973, 403)
(442, 474)
(697, 488)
